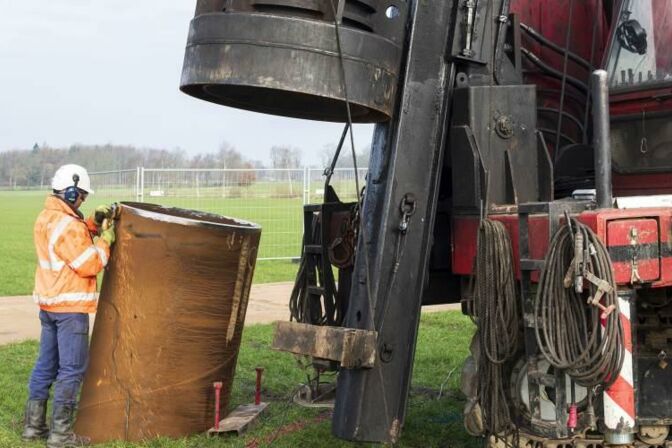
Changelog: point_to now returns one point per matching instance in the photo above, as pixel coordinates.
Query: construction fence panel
(272, 198)
(115, 186)
(342, 180)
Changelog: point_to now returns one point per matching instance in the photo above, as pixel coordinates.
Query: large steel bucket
(169, 323)
(282, 57)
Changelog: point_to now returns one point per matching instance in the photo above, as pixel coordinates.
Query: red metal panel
(551, 19)
(463, 244)
(644, 261)
(638, 101)
(465, 232)
(642, 184)
(620, 232)
(648, 271)
(598, 221)
(465, 229)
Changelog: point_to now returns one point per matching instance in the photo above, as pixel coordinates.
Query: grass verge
(433, 419)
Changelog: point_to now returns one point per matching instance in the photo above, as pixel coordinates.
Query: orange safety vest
(68, 260)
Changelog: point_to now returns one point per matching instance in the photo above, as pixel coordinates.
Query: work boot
(61, 435)
(35, 421)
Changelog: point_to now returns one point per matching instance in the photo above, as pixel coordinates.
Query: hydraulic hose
(550, 71)
(553, 46)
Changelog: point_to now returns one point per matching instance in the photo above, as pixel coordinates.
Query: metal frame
(388, 281)
(554, 210)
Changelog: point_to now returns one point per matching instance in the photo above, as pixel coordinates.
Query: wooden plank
(239, 420)
(353, 348)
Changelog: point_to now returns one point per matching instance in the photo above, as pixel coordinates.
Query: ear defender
(71, 194)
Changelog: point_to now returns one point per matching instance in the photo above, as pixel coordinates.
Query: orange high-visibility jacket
(68, 260)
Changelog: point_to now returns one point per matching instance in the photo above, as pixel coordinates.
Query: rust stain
(169, 323)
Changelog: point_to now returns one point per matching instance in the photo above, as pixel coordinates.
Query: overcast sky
(108, 71)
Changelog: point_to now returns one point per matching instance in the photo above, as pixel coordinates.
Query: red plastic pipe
(257, 392)
(218, 389)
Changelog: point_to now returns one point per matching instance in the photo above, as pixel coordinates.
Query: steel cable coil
(498, 320)
(568, 329)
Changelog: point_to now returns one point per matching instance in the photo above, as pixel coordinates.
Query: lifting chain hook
(407, 208)
(643, 146)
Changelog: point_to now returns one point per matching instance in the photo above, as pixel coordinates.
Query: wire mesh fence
(342, 180)
(116, 186)
(272, 198)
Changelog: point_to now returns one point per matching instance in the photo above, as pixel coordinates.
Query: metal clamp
(662, 360)
(603, 287)
(577, 268)
(634, 271)
(634, 265)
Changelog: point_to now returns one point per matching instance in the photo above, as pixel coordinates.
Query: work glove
(108, 235)
(100, 213)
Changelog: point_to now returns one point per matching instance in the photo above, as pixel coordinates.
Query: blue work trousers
(63, 358)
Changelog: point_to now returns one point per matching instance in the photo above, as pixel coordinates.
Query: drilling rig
(520, 164)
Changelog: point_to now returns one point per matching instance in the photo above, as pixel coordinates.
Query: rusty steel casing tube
(169, 323)
(601, 142)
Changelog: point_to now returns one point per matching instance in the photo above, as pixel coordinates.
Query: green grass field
(434, 417)
(17, 259)
(280, 220)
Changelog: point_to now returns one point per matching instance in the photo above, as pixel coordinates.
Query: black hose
(498, 319)
(550, 71)
(568, 330)
(553, 46)
(564, 136)
(547, 92)
(565, 114)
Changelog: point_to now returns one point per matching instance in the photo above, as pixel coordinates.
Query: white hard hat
(67, 174)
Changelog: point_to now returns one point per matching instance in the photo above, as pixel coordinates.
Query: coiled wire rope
(496, 313)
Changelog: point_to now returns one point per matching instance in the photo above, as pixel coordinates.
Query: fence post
(137, 184)
(305, 185)
(198, 190)
(142, 184)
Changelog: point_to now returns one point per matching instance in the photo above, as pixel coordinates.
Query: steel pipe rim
(290, 66)
(186, 217)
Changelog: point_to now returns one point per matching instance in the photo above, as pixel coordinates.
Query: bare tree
(285, 157)
(345, 158)
(229, 157)
(327, 154)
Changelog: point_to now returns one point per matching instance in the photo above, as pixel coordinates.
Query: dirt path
(268, 303)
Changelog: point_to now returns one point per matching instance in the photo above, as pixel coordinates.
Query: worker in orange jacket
(65, 290)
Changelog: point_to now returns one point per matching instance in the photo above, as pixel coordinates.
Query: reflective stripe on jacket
(68, 260)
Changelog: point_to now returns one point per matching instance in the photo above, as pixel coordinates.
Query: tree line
(35, 167)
